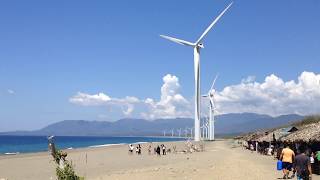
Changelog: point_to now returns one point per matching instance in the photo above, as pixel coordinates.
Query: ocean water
(27, 144)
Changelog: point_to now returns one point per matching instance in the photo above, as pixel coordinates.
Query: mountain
(226, 124)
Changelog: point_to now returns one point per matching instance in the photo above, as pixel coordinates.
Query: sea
(10, 145)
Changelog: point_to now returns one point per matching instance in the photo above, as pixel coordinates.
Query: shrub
(64, 171)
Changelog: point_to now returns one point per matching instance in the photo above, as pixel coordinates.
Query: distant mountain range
(227, 124)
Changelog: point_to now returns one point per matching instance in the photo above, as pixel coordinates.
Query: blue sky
(51, 50)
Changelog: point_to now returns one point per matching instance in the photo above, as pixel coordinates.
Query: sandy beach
(220, 160)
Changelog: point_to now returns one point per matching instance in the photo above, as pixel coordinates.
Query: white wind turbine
(179, 132)
(196, 52)
(164, 133)
(191, 130)
(186, 132)
(172, 132)
(202, 131)
(204, 128)
(210, 96)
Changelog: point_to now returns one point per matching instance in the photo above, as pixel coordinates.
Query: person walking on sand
(149, 150)
(164, 150)
(251, 147)
(131, 149)
(139, 149)
(287, 157)
(302, 165)
(158, 150)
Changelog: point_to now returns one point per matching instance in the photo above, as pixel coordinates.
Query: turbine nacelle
(200, 45)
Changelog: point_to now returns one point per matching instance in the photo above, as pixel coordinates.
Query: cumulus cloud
(171, 103)
(273, 96)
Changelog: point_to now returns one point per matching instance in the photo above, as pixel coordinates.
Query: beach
(222, 159)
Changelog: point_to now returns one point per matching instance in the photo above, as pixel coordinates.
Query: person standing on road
(302, 165)
(287, 158)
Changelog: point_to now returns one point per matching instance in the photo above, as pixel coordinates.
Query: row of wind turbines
(179, 133)
(197, 46)
(188, 131)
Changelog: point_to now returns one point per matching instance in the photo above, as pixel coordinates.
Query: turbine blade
(179, 41)
(213, 23)
(205, 95)
(214, 81)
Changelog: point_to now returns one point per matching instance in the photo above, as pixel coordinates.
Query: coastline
(87, 144)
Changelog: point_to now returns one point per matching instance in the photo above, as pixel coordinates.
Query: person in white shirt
(131, 149)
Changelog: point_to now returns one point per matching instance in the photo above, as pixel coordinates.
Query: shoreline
(70, 149)
(16, 153)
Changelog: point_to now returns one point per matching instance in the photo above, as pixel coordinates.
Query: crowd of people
(162, 149)
(301, 159)
(158, 150)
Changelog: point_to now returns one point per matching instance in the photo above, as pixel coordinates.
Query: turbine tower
(196, 53)
(210, 96)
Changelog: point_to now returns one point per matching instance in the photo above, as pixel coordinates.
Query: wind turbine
(172, 132)
(210, 96)
(164, 133)
(179, 132)
(205, 129)
(186, 132)
(191, 130)
(196, 53)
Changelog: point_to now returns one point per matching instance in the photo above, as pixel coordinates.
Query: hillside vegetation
(307, 120)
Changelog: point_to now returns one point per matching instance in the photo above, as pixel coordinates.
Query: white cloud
(90, 100)
(273, 96)
(171, 103)
(249, 79)
(125, 104)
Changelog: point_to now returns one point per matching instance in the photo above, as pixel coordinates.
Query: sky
(104, 60)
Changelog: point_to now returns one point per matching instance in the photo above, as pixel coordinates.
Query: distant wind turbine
(196, 51)
(202, 130)
(210, 96)
(186, 132)
(179, 132)
(191, 130)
